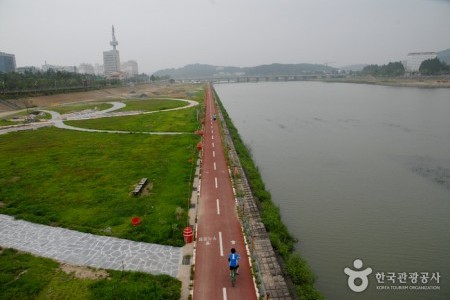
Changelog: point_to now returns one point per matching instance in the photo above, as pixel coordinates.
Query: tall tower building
(111, 58)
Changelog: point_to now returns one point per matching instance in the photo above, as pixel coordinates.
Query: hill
(444, 56)
(199, 71)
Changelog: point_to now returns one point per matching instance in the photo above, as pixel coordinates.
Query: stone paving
(85, 249)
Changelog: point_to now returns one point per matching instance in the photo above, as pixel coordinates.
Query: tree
(389, 70)
(433, 67)
(394, 69)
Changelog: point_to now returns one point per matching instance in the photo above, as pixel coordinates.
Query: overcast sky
(161, 34)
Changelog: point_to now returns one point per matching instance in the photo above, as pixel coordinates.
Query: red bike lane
(218, 227)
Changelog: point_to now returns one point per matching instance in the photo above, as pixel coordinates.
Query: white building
(99, 69)
(86, 69)
(130, 67)
(111, 62)
(415, 59)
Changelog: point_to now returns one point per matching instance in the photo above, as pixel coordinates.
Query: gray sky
(162, 34)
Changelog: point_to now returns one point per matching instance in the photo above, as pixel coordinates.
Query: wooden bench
(140, 186)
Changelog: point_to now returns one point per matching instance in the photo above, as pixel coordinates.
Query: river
(359, 172)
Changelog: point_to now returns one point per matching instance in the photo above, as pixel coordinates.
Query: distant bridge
(259, 78)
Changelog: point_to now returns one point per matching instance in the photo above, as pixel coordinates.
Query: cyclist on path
(233, 259)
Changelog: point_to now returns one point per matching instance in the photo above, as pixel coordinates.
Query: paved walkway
(85, 249)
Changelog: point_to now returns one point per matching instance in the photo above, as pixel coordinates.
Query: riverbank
(403, 81)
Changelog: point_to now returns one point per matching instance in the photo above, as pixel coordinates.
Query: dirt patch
(2, 204)
(146, 190)
(113, 93)
(14, 179)
(84, 272)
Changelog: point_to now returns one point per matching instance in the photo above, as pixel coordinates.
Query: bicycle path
(218, 227)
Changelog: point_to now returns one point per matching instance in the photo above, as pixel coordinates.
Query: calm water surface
(358, 171)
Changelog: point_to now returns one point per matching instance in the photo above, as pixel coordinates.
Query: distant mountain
(199, 71)
(444, 56)
(287, 69)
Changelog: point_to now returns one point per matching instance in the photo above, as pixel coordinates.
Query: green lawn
(4, 122)
(171, 121)
(132, 105)
(151, 104)
(83, 181)
(23, 276)
(64, 109)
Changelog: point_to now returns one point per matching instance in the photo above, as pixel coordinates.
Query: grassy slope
(23, 276)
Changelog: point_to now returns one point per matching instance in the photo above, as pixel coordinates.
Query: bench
(140, 186)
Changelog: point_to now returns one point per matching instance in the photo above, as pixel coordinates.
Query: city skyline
(172, 34)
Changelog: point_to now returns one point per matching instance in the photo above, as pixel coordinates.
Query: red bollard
(188, 235)
(135, 221)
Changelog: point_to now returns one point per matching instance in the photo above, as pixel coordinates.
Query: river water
(359, 172)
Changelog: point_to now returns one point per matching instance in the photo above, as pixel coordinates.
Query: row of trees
(391, 69)
(50, 79)
(428, 67)
(54, 80)
(434, 67)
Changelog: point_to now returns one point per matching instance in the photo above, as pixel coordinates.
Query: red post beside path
(135, 221)
(188, 235)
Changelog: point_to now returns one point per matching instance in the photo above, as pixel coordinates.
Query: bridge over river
(259, 78)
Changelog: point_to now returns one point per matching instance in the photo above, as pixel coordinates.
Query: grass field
(83, 181)
(151, 104)
(171, 121)
(64, 109)
(23, 276)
